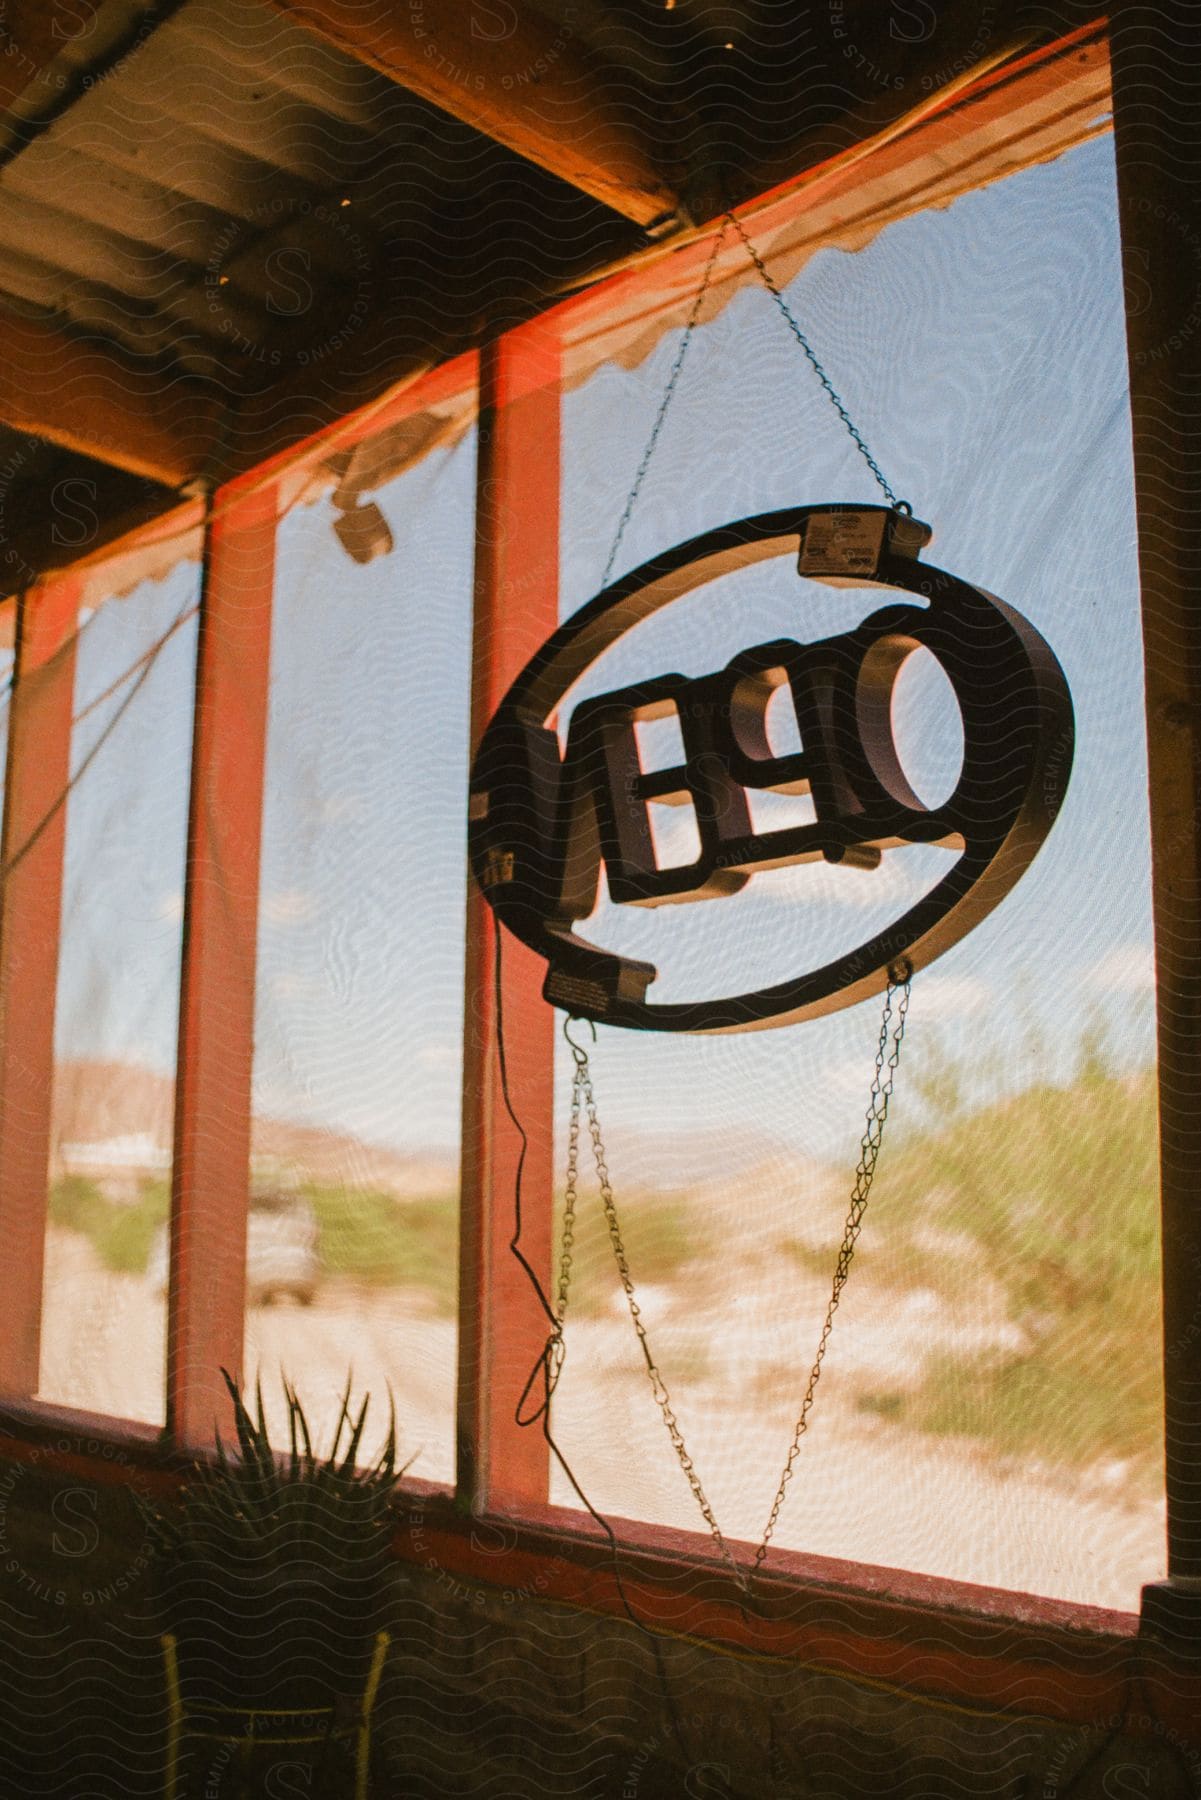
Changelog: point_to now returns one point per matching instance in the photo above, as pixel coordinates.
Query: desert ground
(866, 1488)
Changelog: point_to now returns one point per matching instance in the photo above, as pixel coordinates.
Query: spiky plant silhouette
(274, 1565)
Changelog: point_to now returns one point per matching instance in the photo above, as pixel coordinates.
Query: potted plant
(273, 1580)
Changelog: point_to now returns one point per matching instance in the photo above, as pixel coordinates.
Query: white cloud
(953, 996)
(1127, 969)
(294, 986)
(291, 906)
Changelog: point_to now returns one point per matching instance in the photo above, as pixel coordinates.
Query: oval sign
(541, 823)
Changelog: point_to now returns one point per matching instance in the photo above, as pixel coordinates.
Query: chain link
(583, 1097)
(555, 1348)
(888, 1055)
(582, 1094)
(668, 392)
(583, 1100)
(768, 280)
(766, 277)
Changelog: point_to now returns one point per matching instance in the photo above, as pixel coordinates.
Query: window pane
(990, 1409)
(353, 1223)
(104, 1319)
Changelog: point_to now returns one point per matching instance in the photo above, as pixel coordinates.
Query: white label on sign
(842, 543)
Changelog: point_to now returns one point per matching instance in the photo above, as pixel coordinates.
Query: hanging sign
(542, 822)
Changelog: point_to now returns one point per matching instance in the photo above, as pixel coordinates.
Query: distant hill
(98, 1101)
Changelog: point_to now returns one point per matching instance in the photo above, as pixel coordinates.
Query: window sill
(944, 1642)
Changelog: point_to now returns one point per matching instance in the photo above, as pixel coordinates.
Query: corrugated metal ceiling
(234, 197)
(258, 232)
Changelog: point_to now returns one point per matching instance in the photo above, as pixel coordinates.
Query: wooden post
(211, 1178)
(1157, 87)
(31, 859)
(502, 1328)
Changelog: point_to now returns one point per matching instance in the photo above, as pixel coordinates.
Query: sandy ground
(865, 1488)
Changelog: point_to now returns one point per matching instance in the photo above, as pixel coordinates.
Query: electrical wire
(548, 1368)
(142, 668)
(180, 620)
(544, 1367)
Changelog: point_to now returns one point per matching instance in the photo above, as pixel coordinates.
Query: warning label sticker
(842, 543)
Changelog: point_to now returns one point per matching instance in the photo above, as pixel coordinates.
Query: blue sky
(980, 350)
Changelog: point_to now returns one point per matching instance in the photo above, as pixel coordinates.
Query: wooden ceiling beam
(94, 510)
(524, 82)
(89, 398)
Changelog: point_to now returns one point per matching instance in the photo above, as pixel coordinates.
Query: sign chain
(583, 1099)
(888, 1055)
(582, 1094)
(665, 402)
(765, 275)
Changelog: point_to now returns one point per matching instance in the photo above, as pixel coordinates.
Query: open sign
(542, 823)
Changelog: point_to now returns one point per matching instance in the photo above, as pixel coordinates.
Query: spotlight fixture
(363, 532)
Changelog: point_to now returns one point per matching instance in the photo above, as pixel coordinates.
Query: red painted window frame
(1068, 1661)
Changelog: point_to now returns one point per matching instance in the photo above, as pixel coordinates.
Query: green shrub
(1054, 1195)
(120, 1232)
(374, 1237)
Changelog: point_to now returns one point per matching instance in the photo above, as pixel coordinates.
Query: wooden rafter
(87, 396)
(525, 83)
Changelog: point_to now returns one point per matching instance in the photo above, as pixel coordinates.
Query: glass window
(990, 1409)
(104, 1313)
(353, 1233)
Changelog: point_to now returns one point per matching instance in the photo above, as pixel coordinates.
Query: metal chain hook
(577, 1050)
(582, 1089)
(888, 1056)
(582, 1094)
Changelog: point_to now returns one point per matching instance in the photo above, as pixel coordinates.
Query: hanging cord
(765, 275)
(141, 668)
(68, 643)
(549, 1365)
(550, 1361)
(148, 656)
